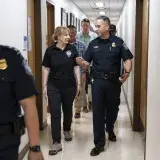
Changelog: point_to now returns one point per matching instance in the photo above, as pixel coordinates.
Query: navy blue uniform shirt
(16, 83)
(106, 54)
(61, 64)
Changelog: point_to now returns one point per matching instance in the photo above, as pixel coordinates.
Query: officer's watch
(35, 148)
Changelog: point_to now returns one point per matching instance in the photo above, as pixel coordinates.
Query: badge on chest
(68, 53)
(3, 64)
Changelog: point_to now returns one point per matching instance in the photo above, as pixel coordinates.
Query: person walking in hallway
(60, 84)
(81, 48)
(87, 36)
(17, 88)
(106, 52)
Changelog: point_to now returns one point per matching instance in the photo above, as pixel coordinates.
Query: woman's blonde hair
(59, 31)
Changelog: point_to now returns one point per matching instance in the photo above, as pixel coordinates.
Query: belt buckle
(105, 76)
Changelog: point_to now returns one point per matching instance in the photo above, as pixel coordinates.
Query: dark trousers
(9, 145)
(56, 98)
(105, 102)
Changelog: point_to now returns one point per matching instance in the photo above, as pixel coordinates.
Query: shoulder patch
(26, 67)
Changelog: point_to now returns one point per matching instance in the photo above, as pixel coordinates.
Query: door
(144, 63)
(35, 50)
(50, 23)
(31, 35)
(50, 11)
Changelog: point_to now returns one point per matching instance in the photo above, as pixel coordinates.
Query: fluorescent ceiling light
(99, 4)
(102, 13)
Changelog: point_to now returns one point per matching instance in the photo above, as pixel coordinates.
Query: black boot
(112, 136)
(96, 151)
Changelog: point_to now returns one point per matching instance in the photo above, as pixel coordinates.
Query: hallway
(129, 145)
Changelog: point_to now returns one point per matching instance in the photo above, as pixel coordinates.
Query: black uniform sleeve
(75, 54)
(88, 54)
(125, 52)
(46, 59)
(24, 81)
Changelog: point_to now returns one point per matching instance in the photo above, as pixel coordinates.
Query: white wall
(126, 30)
(13, 24)
(13, 27)
(153, 97)
(69, 6)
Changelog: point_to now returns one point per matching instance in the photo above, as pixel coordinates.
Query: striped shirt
(86, 38)
(81, 48)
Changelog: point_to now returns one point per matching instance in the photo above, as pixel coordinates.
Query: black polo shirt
(61, 64)
(16, 83)
(107, 54)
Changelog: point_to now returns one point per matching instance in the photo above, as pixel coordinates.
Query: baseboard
(44, 125)
(142, 131)
(24, 151)
(129, 111)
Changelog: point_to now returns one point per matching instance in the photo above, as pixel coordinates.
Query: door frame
(38, 59)
(50, 22)
(38, 63)
(137, 123)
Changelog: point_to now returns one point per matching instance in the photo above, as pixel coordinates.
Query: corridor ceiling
(111, 8)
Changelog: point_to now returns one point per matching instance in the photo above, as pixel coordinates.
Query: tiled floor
(129, 145)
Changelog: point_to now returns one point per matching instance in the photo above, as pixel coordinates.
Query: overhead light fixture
(99, 4)
(102, 13)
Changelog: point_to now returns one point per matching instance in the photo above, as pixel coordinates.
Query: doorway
(35, 50)
(50, 22)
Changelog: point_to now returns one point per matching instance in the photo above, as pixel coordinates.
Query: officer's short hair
(72, 27)
(105, 19)
(112, 27)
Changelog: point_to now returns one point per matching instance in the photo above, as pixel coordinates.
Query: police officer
(17, 88)
(106, 52)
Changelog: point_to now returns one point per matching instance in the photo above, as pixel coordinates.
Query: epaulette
(11, 48)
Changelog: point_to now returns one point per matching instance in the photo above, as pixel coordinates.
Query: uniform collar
(54, 47)
(110, 39)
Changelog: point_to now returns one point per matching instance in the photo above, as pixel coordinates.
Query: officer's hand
(84, 64)
(45, 92)
(124, 77)
(35, 156)
(78, 91)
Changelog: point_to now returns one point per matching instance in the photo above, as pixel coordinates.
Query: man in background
(86, 36)
(81, 101)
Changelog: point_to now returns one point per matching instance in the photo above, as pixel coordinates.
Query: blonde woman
(61, 81)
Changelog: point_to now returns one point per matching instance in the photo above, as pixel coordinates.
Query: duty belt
(102, 75)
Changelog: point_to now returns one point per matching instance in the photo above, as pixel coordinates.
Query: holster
(111, 76)
(19, 125)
